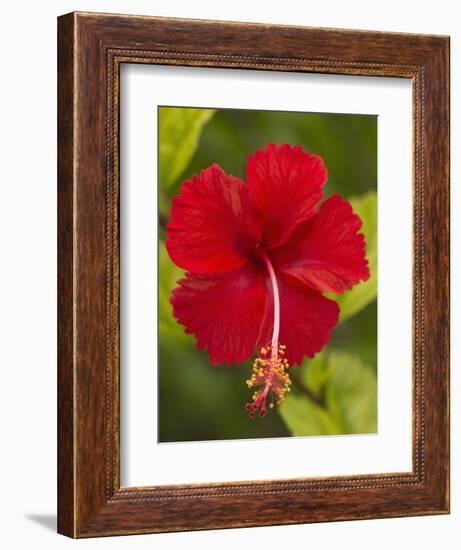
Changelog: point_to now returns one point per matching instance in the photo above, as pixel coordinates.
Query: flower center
(269, 375)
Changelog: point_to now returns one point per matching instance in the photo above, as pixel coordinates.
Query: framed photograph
(253, 275)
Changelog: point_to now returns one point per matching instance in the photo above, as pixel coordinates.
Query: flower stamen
(270, 378)
(276, 296)
(269, 368)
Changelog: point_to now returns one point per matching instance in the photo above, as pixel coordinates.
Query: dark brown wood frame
(91, 48)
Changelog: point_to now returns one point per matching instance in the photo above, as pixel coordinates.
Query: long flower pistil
(269, 375)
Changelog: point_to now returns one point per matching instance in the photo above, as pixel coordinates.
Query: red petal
(286, 185)
(327, 253)
(224, 311)
(212, 226)
(307, 319)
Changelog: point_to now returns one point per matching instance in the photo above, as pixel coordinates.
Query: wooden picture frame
(91, 48)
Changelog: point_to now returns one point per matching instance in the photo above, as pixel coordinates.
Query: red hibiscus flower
(258, 258)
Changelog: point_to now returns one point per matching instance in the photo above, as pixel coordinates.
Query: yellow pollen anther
(271, 379)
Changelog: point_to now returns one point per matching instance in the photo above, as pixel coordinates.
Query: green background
(336, 392)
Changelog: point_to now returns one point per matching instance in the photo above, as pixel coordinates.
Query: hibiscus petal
(286, 185)
(307, 319)
(224, 311)
(212, 227)
(328, 252)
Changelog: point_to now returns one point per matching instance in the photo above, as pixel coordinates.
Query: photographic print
(267, 274)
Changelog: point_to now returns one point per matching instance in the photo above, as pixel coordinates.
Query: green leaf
(169, 275)
(348, 390)
(353, 301)
(179, 133)
(351, 393)
(314, 372)
(304, 417)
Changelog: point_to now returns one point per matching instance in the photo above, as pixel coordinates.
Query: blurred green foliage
(183, 128)
(334, 393)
